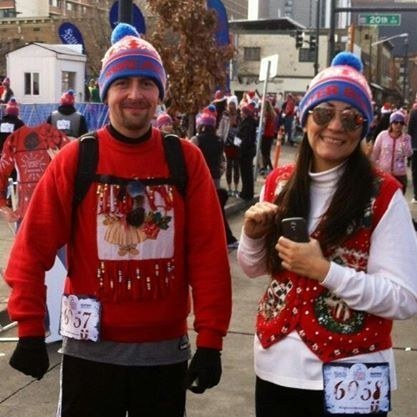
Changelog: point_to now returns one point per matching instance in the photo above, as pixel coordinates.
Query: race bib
(361, 388)
(80, 318)
(63, 124)
(6, 128)
(237, 141)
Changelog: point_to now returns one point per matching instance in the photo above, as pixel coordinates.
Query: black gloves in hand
(30, 357)
(204, 371)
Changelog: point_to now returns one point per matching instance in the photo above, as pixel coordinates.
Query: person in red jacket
(139, 255)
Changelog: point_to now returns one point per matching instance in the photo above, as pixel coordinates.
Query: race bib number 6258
(80, 318)
(356, 388)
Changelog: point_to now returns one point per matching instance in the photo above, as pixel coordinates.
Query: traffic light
(313, 42)
(299, 39)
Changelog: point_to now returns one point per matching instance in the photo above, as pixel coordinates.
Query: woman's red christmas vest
(324, 322)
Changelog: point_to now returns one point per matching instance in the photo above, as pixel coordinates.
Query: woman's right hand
(258, 219)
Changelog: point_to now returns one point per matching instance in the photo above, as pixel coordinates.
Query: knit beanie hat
(248, 109)
(130, 56)
(12, 109)
(206, 119)
(397, 116)
(68, 98)
(163, 119)
(342, 81)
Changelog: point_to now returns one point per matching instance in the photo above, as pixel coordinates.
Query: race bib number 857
(361, 388)
(80, 318)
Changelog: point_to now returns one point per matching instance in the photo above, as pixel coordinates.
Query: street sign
(273, 67)
(379, 19)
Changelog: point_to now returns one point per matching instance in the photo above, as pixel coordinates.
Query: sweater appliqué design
(327, 325)
(135, 240)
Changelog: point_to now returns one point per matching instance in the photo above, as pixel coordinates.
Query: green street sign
(379, 19)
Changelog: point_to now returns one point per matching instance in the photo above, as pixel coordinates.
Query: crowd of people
(151, 221)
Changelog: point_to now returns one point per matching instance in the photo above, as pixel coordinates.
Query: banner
(138, 20)
(222, 30)
(70, 34)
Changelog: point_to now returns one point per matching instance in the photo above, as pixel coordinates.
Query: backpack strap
(174, 156)
(87, 165)
(88, 160)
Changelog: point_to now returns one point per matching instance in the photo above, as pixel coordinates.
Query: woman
(268, 137)
(330, 301)
(212, 148)
(246, 140)
(392, 147)
(231, 151)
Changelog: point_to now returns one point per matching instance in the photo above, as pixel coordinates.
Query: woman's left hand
(304, 259)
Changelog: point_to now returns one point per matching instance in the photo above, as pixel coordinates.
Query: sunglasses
(350, 119)
(397, 122)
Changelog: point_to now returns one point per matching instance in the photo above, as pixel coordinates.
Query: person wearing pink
(392, 147)
(165, 123)
(139, 256)
(323, 343)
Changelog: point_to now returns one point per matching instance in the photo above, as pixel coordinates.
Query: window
(252, 54)
(306, 55)
(68, 81)
(55, 3)
(7, 13)
(32, 83)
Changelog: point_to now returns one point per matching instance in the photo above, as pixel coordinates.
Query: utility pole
(405, 72)
(316, 51)
(125, 11)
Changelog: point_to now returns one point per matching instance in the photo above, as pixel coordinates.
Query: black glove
(204, 371)
(30, 357)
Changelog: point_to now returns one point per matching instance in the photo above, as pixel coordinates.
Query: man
(136, 249)
(10, 121)
(67, 119)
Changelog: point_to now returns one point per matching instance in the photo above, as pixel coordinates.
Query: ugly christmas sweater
(136, 246)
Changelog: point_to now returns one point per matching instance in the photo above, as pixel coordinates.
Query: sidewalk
(21, 396)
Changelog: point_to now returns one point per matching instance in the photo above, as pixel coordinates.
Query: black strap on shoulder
(87, 165)
(88, 160)
(174, 156)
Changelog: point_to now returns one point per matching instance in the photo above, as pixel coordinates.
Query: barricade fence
(96, 114)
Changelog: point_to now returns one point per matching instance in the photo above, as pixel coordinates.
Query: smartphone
(295, 228)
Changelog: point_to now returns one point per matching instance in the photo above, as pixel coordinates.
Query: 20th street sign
(379, 19)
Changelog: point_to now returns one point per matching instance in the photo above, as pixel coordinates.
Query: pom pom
(122, 30)
(348, 58)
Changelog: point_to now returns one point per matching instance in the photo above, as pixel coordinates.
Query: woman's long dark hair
(346, 208)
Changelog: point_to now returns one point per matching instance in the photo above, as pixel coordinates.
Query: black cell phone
(295, 228)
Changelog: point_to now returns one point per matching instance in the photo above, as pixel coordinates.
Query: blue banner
(70, 34)
(222, 30)
(138, 20)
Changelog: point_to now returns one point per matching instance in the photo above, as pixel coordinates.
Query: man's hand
(30, 357)
(204, 371)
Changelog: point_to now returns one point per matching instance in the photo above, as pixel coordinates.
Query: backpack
(88, 160)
